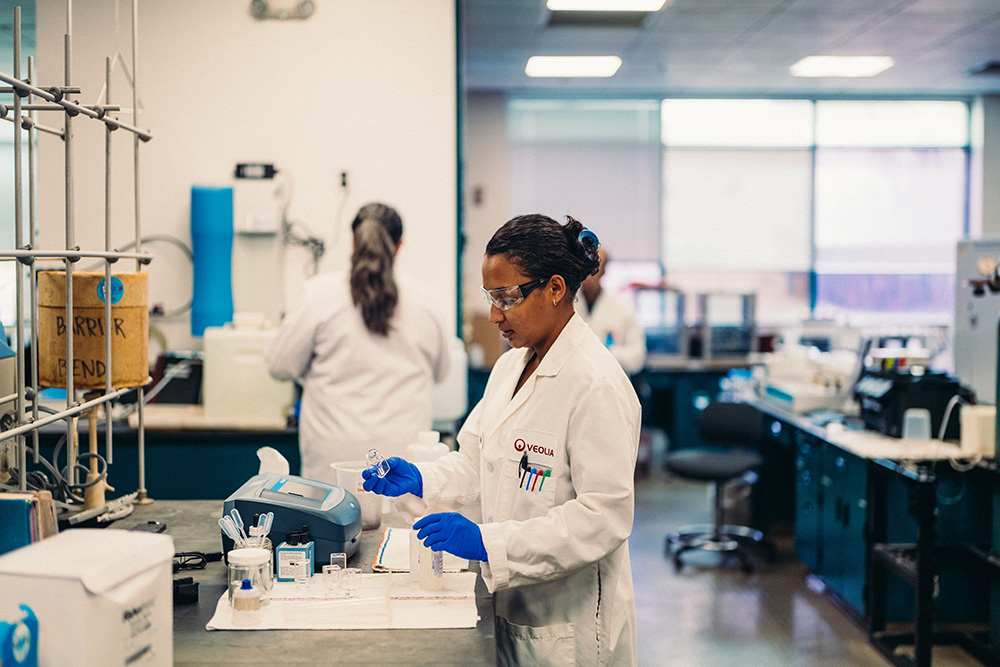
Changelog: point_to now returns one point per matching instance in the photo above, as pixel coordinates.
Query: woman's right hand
(403, 477)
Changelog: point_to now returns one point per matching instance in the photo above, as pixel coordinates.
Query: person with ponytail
(548, 455)
(367, 347)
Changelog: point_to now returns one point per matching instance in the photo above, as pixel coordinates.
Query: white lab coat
(360, 390)
(613, 320)
(558, 553)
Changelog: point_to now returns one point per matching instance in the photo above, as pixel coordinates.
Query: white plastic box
(236, 384)
(978, 430)
(103, 598)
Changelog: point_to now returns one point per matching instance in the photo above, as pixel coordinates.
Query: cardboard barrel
(129, 329)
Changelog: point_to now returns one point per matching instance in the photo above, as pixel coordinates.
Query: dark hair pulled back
(377, 229)
(540, 247)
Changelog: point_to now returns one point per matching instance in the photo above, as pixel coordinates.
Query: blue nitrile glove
(403, 477)
(452, 532)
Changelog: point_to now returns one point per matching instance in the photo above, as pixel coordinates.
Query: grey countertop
(194, 526)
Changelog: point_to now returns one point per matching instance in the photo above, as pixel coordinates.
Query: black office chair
(739, 426)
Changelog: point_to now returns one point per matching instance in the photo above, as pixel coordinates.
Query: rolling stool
(733, 424)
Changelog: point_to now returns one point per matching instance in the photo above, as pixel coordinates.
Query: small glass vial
(246, 604)
(376, 461)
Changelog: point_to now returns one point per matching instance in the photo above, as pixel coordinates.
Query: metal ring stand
(58, 99)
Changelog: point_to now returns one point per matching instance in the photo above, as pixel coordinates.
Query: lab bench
(900, 540)
(194, 527)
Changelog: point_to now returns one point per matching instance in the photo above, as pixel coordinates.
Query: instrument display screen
(294, 488)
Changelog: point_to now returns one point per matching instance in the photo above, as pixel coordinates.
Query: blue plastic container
(212, 246)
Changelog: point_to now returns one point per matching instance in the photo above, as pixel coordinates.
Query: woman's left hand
(452, 532)
(403, 477)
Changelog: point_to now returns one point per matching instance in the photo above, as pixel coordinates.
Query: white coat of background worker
(548, 454)
(612, 318)
(367, 347)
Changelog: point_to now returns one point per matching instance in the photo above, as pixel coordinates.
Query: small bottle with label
(431, 569)
(296, 556)
(246, 604)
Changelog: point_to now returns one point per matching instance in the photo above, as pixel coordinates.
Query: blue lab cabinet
(772, 502)
(808, 500)
(844, 503)
(830, 506)
(908, 547)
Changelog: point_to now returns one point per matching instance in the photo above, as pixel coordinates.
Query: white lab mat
(385, 601)
(394, 554)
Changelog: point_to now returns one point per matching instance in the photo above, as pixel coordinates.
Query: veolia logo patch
(520, 445)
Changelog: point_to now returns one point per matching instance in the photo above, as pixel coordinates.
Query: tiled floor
(717, 616)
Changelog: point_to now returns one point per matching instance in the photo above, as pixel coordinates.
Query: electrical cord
(172, 371)
(162, 238)
(55, 479)
(289, 228)
(194, 560)
(59, 485)
(315, 246)
(954, 462)
(955, 400)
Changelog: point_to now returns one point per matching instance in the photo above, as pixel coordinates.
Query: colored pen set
(532, 477)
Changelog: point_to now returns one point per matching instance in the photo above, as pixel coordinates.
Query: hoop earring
(554, 302)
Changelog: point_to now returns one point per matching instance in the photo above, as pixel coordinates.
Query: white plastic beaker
(917, 424)
(350, 479)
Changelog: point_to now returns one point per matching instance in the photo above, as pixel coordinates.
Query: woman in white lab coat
(549, 453)
(367, 348)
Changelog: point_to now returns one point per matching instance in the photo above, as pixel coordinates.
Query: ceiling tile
(722, 46)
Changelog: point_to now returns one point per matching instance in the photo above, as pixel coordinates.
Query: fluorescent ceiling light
(594, 66)
(845, 66)
(606, 5)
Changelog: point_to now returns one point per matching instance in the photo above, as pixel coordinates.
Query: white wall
(485, 163)
(363, 86)
(985, 205)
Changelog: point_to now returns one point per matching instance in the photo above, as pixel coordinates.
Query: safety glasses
(506, 298)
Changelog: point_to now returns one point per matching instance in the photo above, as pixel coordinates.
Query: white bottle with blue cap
(246, 604)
